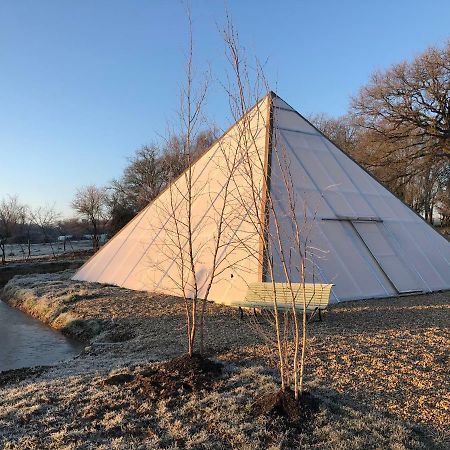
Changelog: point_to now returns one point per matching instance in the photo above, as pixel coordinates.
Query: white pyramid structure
(365, 241)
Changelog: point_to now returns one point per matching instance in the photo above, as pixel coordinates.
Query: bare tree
(402, 122)
(142, 179)
(443, 206)
(45, 218)
(176, 212)
(280, 222)
(174, 158)
(409, 105)
(197, 215)
(11, 215)
(442, 198)
(90, 203)
(120, 210)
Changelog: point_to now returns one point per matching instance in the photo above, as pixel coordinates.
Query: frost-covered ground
(379, 367)
(19, 252)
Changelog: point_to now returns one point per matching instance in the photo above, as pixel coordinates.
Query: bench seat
(261, 295)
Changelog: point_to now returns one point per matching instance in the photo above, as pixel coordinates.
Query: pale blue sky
(83, 83)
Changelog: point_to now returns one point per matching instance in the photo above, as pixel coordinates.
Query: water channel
(26, 342)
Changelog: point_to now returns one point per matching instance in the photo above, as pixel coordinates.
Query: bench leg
(241, 313)
(317, 311)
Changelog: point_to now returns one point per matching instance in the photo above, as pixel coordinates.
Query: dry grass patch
(378, 369)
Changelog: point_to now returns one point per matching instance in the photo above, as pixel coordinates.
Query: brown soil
(283, 405)
(195, 366)
(179, 376)
(172, 379)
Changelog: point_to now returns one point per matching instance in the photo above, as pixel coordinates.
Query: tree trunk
(2, 245)
(304, 325)
(202, 327)
(191, 338)
(94, 236)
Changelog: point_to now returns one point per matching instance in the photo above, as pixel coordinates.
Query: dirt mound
(192, 366)
(169, 380)
(283, 405)
(178, 376)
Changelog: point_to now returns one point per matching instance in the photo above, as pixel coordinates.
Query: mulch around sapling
(173, 378)
(285, 411)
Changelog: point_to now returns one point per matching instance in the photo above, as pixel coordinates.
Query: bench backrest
(261, 295)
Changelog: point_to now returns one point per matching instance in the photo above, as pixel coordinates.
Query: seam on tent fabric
(427, 257)
(357, 250)
(283, 108)
(313, 182)
(263, 239)
(324, 279)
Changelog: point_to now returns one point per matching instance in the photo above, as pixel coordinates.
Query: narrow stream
(26, 342)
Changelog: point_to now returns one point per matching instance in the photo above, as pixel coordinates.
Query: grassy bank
(51, 298)
(377, 368)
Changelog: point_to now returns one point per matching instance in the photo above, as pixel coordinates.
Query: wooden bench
(261, 295)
